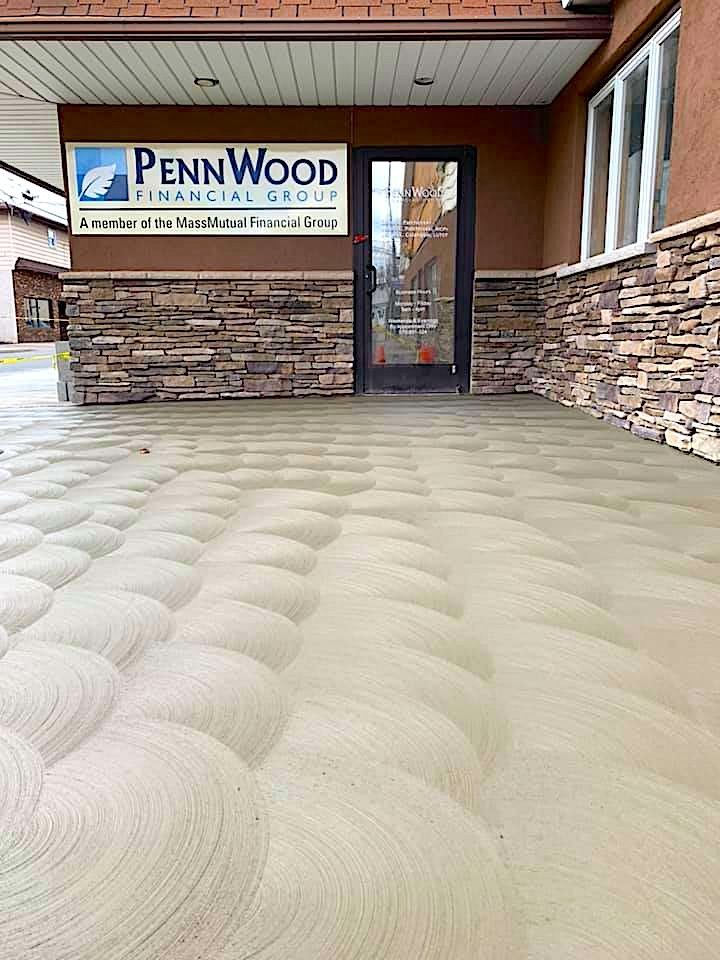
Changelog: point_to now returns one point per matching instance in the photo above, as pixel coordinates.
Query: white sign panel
(273, 189)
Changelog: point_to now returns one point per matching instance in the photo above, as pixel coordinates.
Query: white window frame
(652, 52)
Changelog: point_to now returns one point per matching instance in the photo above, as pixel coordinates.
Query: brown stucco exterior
(510, 174)
(530, 161)
(695, 171)
(567, 121)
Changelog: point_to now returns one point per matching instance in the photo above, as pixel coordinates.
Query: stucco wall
(530, 164)
(567, 121)
(510, 174)
(695, 171)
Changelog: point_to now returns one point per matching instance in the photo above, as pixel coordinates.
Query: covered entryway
(442, 125)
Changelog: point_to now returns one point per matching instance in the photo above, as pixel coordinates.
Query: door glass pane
(632, 152)
(414, 232)
(669, 57)
(601, 173)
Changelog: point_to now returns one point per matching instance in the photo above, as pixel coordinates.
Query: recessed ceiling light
(205, 82)
(424, 81)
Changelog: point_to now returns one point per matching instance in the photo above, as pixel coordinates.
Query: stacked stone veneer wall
(636, 343)
(203, 336)
(507, 312)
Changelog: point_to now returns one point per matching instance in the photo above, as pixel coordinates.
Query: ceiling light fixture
(424, 81)
(205, 82)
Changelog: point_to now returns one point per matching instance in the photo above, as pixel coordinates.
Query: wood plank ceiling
(292, 73)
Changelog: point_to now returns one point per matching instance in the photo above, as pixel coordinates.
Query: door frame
(466, 157)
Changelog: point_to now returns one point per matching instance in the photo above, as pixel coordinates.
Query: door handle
(372, 276)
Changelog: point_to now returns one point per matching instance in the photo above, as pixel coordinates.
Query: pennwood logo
(96, 182)
(101, 174)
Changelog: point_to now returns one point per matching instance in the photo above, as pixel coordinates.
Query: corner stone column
(506, 314)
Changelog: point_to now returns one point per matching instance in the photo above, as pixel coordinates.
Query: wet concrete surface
(371, 678)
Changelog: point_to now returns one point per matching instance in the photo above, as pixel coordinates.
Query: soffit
(495, 72)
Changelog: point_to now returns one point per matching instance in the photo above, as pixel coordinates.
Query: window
(667, 112)
(38, 313)
(627, 164)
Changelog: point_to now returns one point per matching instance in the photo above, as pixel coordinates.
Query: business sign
(272, 189)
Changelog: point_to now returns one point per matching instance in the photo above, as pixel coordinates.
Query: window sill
(705, 222)
(606, 259)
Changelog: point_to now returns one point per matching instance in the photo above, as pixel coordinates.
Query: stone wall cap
(606, 259)
(711, 219)
(82, 275)
(505, 274)
(518, 274)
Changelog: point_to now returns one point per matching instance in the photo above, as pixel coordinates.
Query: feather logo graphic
(96, 182)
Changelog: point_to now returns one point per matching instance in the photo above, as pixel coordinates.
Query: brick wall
(28, 283)
(506, 313)
(292, 9)
(202, 336)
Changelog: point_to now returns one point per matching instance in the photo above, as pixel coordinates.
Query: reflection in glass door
(410, 268)
(414, 234)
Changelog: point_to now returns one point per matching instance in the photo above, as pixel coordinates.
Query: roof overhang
(30, 199)
(484, 61)
(34, 266)
(581, 27)
(30, 178)
(299, 72)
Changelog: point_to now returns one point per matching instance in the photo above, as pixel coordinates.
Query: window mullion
(652, 117)
(615, 163)
(589, 180)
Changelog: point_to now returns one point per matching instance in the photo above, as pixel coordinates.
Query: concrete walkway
(398, 679)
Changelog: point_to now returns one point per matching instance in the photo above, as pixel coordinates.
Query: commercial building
(34, 250)
(282, 199)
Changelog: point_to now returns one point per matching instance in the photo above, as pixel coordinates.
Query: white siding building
(33, 250)
(30, 139)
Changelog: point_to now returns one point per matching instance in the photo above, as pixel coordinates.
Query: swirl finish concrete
(392, 679)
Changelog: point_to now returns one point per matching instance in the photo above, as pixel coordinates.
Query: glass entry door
(414, 266)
